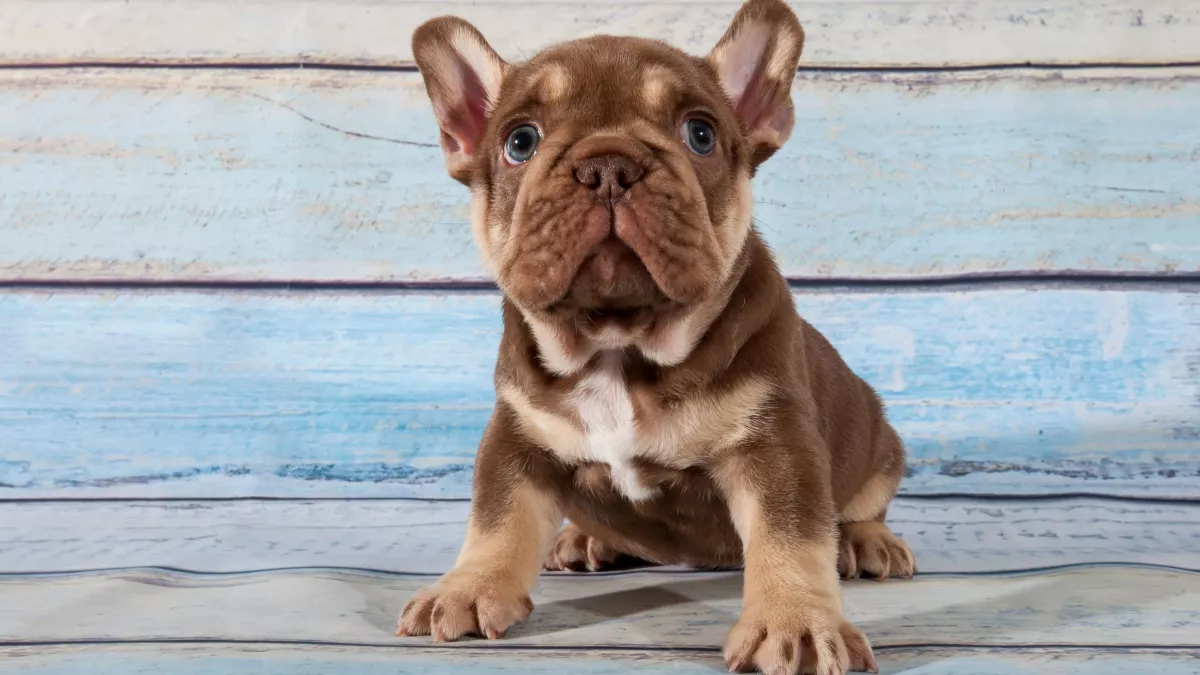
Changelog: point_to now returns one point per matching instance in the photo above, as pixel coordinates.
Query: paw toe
(452, 619)
(860, 656)
(847, 560)
(741, 646)
(494, 618)
(415, 618)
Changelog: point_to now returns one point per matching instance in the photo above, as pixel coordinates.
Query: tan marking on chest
(602, 420)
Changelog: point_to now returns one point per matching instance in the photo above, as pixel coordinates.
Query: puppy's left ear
(756, 62)
(462, 76)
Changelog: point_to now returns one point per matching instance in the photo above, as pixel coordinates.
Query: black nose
(608, 175)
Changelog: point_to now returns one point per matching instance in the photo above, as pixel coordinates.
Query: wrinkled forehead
(603, 82)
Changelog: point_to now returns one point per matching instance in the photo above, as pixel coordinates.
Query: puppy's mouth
(613, 287)
(613, 314)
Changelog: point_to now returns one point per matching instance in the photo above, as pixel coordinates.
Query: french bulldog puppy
(655, 385)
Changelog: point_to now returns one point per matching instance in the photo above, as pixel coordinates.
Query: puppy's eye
(699, 136)
(521, 144)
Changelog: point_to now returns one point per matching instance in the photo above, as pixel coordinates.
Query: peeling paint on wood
(947, 535)
(293, 175)
(375, 32)
(193, 394)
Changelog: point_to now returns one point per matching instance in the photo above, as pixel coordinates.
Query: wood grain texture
(224, 659)
(947, 535)
(851, 33)
(1084, 607)
(190, 394)
(294, 175)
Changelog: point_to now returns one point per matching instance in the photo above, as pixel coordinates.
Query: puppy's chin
(612, 293)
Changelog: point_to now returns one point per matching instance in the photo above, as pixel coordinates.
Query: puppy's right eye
(521, 144)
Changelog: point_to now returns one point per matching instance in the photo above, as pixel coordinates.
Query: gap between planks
(923, 496)
(998, 67)
(1166, 281)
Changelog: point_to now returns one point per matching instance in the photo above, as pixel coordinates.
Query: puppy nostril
(628, 175)
(588, 175)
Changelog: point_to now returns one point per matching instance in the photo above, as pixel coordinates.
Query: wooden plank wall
(246, 342)
(1009, 253)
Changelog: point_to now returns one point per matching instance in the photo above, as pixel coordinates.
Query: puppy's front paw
(871, 548)
(576, 550)
(463, 603)
(796, 638)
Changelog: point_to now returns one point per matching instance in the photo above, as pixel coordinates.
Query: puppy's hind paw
(871, 549)
(577, 551)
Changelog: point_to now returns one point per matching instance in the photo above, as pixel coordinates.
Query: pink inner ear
(744, 63)
(754, 105)
(464, 118)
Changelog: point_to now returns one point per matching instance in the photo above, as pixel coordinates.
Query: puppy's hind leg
(866, 545)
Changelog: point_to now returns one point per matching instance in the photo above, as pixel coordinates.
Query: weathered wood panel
(1088, 607)
(385, 394)
(336, 177)
(947, 535)
(851, 33)
(262, 659)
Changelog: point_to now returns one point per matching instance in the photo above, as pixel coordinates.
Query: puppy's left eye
(699, 136)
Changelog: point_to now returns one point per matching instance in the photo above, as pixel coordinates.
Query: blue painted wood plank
(385, 394)
(257, 175)
(1085, 607)
(307, 660)
(880, 33)
(947, 535)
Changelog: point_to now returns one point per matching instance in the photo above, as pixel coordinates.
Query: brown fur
(655, 384)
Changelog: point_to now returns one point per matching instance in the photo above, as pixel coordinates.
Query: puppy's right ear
(462, 76)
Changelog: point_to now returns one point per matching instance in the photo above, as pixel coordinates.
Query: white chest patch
(610, 434)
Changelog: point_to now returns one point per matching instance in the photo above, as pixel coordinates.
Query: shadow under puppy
(655, 384)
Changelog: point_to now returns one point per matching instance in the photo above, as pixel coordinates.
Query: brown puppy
(655, 384)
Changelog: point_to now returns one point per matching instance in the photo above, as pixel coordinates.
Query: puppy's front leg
(780, 499)
(509, 532)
